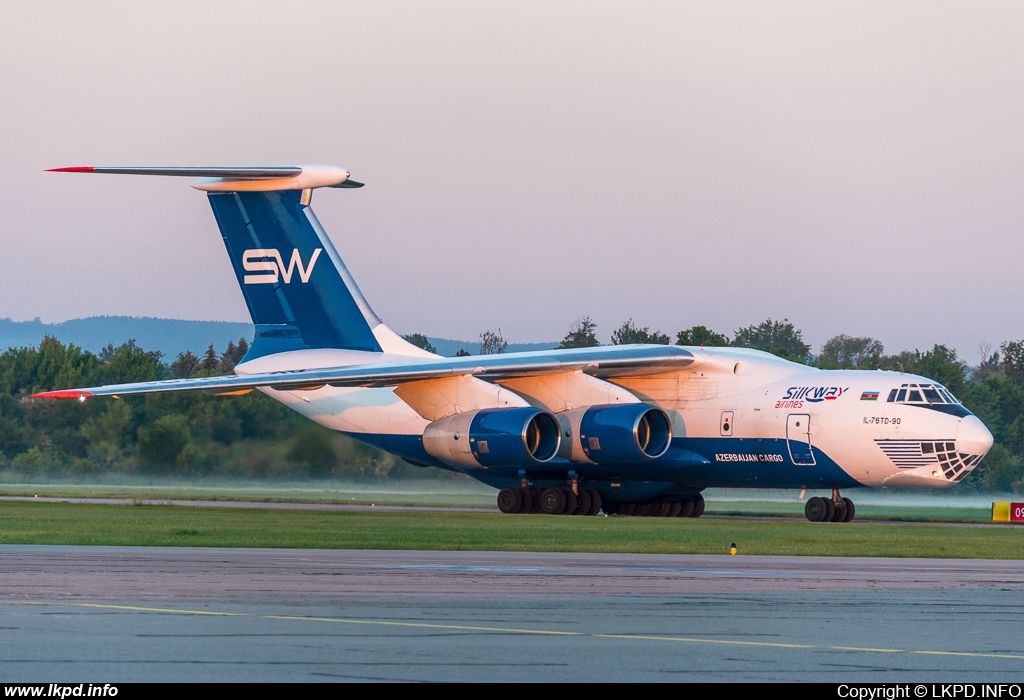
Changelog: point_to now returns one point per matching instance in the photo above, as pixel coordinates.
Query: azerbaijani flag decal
(869, 396)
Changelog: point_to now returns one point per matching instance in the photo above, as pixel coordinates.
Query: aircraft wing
(614, 361)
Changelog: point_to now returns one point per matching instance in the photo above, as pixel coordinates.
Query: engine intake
(621, 433)
(494, 437)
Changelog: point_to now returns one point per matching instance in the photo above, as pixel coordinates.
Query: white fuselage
(758, 420)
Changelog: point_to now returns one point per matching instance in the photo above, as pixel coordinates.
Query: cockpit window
(922, 393)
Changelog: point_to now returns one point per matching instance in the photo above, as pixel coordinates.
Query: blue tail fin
(299, 292)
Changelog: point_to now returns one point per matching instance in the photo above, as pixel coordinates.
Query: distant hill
(171, 336)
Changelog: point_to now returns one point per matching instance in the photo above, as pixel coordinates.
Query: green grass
(149, 525)
(407, 494)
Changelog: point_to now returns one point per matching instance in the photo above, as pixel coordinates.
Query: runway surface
(107, 614)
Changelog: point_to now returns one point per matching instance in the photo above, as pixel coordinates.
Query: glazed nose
(972, 437)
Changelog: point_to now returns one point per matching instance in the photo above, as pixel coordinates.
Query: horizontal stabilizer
(238, 179)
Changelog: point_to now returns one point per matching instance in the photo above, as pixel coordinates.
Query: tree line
(188, 434)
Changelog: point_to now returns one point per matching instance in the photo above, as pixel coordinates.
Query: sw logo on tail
(256, 260)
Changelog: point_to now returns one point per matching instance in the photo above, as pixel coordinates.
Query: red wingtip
(72, 170)
(66, 394)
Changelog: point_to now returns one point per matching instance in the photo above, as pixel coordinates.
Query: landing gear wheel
(848, 511)
(686, 508)
(596, 503)
(527, 505)
(816, 509)
(571, 502)
(583, 508)
(830, 508)
(673, 509)
(552, 501)
(661, 510)
(698, 506)
(510, 499)
(627, 508)
(838, 512)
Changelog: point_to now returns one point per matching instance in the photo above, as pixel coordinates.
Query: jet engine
(494, 437)
(620, 433)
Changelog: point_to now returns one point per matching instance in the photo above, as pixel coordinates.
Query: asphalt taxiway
(130, 614)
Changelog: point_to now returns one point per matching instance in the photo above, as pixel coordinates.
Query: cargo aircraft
(627, 429)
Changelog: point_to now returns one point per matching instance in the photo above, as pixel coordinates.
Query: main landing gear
(576, 500)
(552, 501)
(823, 510)
(689, 507)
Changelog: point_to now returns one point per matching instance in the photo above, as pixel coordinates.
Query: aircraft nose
(972, 437)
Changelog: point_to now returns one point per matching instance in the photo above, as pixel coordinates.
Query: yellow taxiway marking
(514, 630)
(701, 640)
(158, 610)
(427, 625)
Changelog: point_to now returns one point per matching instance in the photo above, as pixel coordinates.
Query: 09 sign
(1008, 512)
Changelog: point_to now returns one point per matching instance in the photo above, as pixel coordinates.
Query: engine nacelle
(621, 433)
(494, 437)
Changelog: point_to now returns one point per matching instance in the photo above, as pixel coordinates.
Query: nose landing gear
(838, 509)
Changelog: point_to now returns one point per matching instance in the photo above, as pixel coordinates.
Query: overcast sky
(857, 168)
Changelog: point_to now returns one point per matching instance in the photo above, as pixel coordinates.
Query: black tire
(583, 507)
(830, 509)
(552, 501)
(838, 511)
(815, 509)
(596, 503)
(661, 510)
(686, 508)
(571, 502)
(527, 505)
(673, 509)
(848, 511)
(510, 499)
(535, 493)
(698, 506)
(627, 508)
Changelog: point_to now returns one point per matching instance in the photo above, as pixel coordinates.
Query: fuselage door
(726, 427)
(798, 436)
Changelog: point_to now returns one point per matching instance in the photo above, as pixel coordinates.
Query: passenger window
(901, 396)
